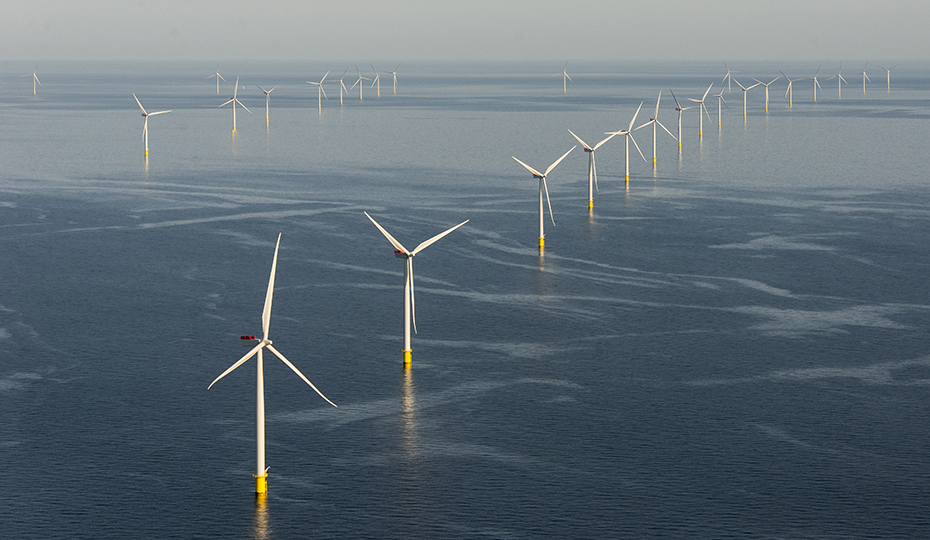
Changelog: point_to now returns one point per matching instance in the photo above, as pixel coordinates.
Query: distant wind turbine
(654, 121)
(377, 80)
(394, 73)
(719, 112)
(267, 99)
(409, 300)
(564, 77)
(35, 79)
(261, 472)
(816, 84)
(628, 134)
(235, 100)
(789, 93)
(592, 167)
(359, 82)
(145, 124)
(888, 73)
(543, 188)
(680, 110)
(728, 78)
(320, 93)
(766, 85)
(217, 76)
(342, 85)
(702, 107)
(745, 90)
(865, 77)
(839, 82)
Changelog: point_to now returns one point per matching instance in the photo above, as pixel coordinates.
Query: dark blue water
(734, 345)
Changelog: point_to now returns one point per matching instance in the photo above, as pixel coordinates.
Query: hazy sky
(367, 30)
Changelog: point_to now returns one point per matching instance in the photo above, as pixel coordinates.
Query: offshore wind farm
(731, 343)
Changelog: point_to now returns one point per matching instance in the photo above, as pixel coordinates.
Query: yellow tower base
(407, 358)
(590, 205)
(542, 243)
(261, 484)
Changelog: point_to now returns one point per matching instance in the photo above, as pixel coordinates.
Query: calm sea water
(734, 345)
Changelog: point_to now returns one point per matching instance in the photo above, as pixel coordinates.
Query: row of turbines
(265, 343)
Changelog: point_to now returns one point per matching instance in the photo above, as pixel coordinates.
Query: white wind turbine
(267, 99)
(655, 122)
(235, 100)
(680, 110)
(145, 124)
(261, 472)
(565, 76)
(728, 78)
(342, 85)
(376, 80)
(592, 167)
(839, 82)
(359, 82)
(816, 84)
(865, 77)
(543, 188)
(394, 73)
(719, 112)
(789, 93)
(409, 302)
(702, 107)
(628, 134)
(35, 79)
(745, 90)
(766, 85)
(888, 73)
(321, 93)
(217, 76)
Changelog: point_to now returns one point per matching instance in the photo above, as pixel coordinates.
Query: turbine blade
(140, 105)
(594, 171)
(395, 243)
(227, 103)
(666, 129)
(560, 159)
(426, 244)
(266, 311)
(579, 140)
(413, 301)
(707, 91)
(634, 116)
(546, 189)
(532, 170)
(675, 98)
(237, 364)
(598, 145)
(297, 371)
(243, 106)
(637, 146)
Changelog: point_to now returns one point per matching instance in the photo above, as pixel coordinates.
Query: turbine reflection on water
(261, 529)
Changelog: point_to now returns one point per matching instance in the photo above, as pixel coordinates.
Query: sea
(733, 344)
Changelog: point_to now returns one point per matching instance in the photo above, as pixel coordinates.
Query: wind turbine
(766, 85)
(564, 77)
(888, 72)
(745, 90)
(342, 85)
(816, 83)
(544, 188)
(145, 124)
(728, 78)
(267, 99)
(702, 107)
(592, 167)
(377, 80)
(409, 303)
(865, 77)
(789, 93)
(321, 93)
(655, 122)
(628, 133)
(35, 79)
(235, 100)
(359, 82)
(217, 76)
(839, 82)
(394, 73)
(720, 99)
(261, 472)
(680, 110)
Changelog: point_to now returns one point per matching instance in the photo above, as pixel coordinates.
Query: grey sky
(464, 29)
